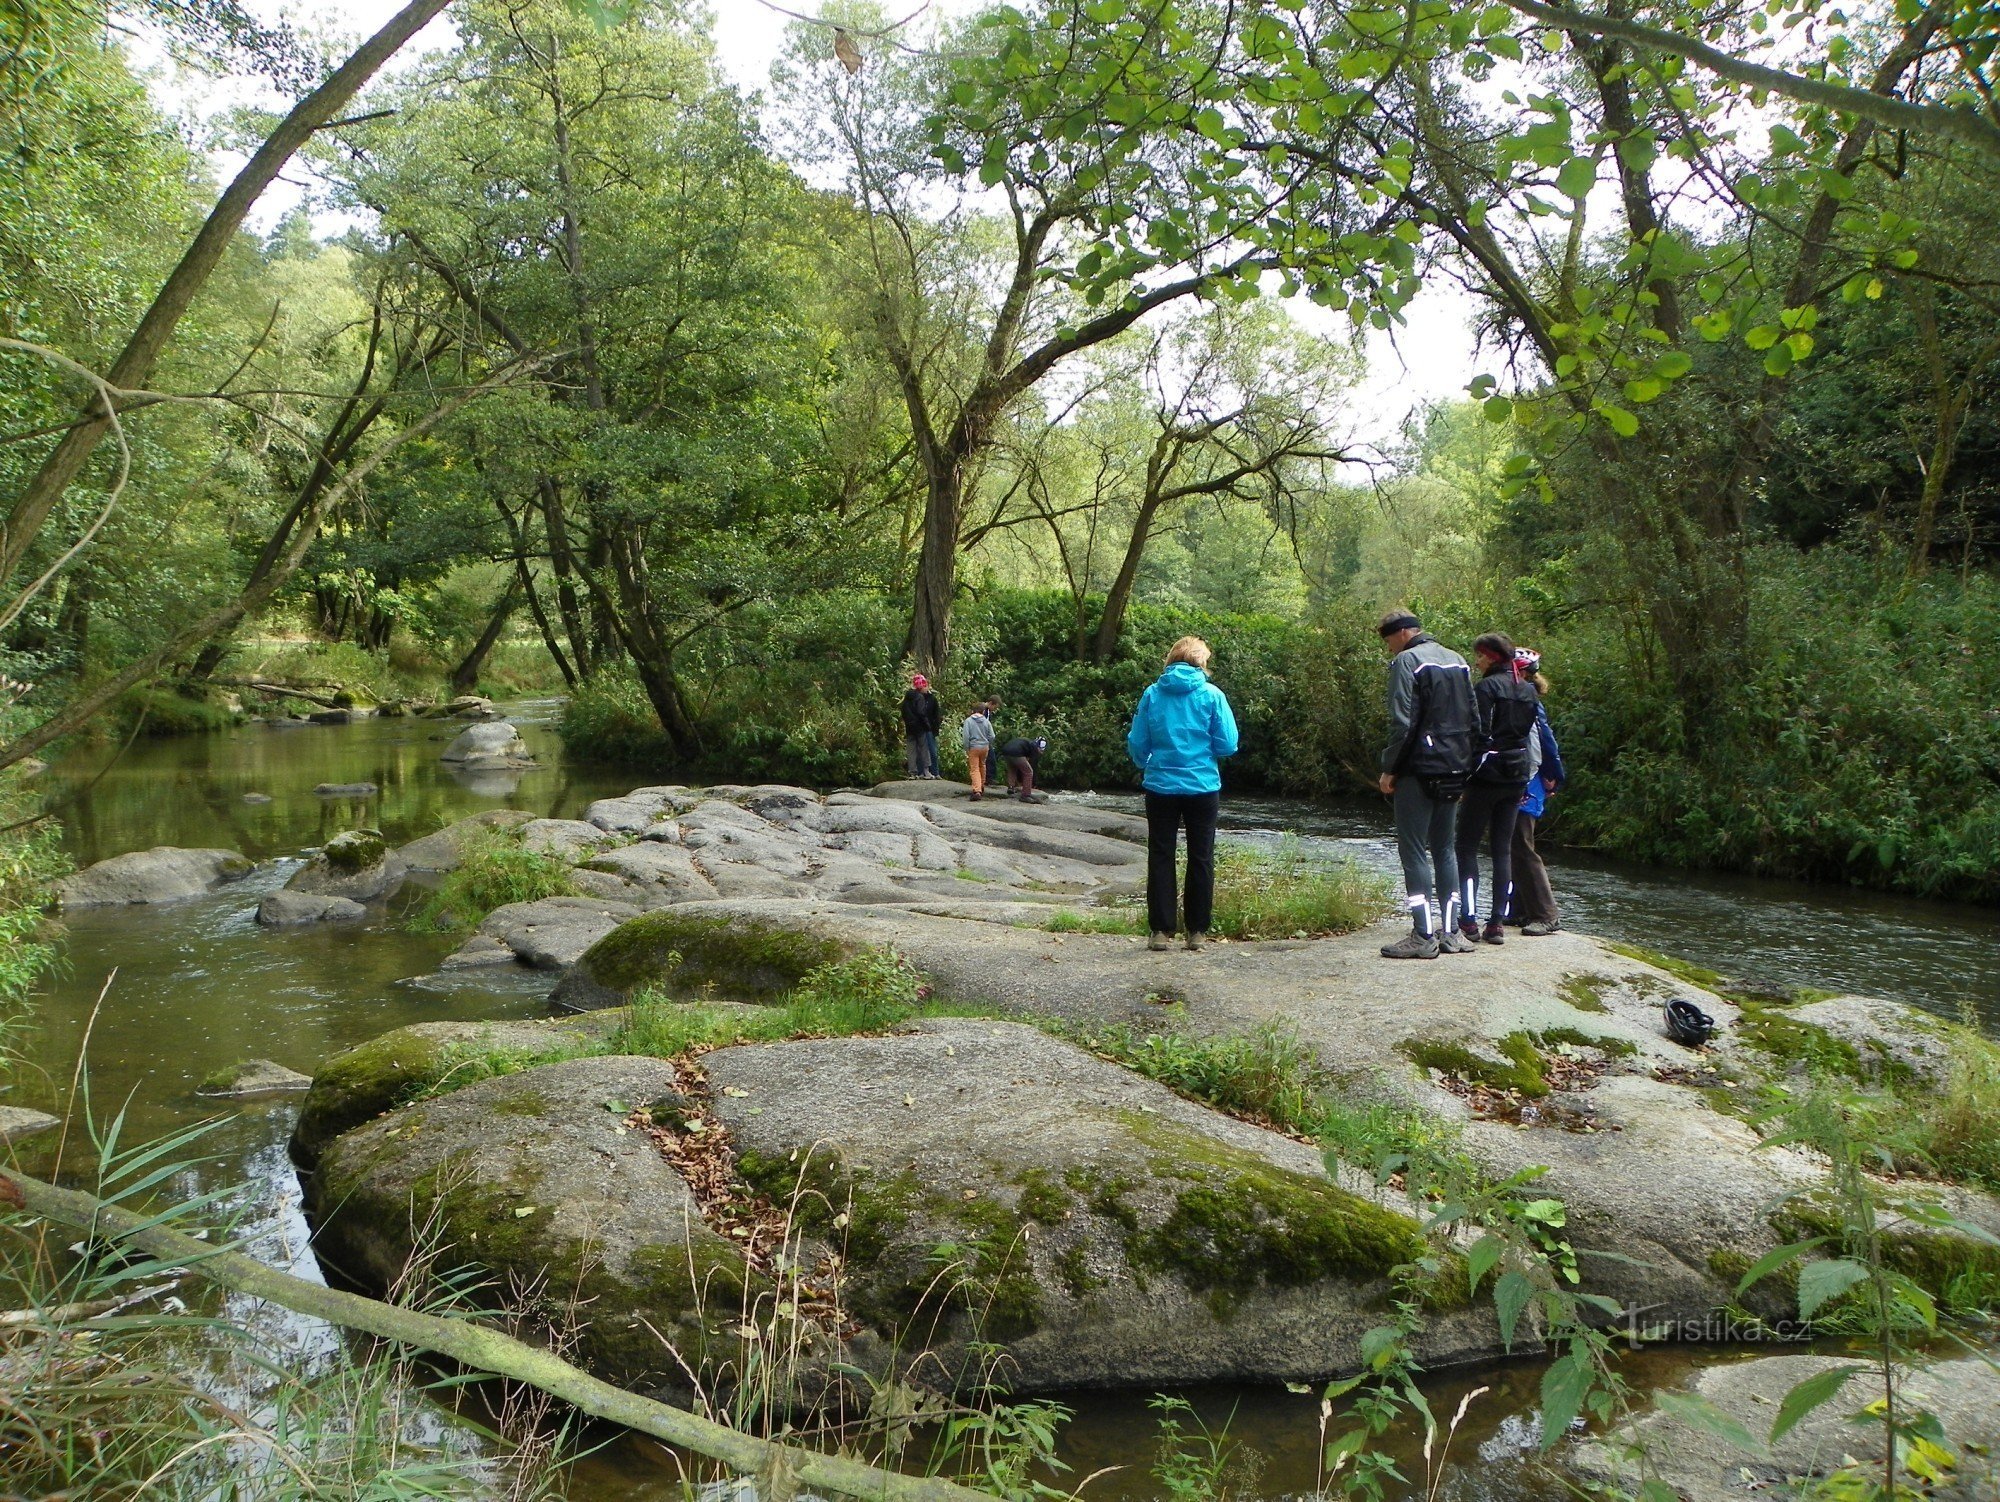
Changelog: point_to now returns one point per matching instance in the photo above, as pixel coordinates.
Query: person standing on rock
(1424, 769)
(922, 719)
(1021, 755)
(1180, 732)
(977, 734)
(1534, 903)
(1509, 754)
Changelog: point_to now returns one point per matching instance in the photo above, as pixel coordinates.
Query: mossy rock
(580, 1217)
(429, 1057)
(695, 956)
(992, 1186)
(1519, 1067)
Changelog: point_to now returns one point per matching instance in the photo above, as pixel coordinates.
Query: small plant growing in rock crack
(493, 870)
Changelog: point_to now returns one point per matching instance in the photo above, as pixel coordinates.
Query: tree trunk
(1119, 597)
(73, 621)
(466, 674)
(937, 568)
(135, 364)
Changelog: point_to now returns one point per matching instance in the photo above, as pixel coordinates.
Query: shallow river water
(167, 995)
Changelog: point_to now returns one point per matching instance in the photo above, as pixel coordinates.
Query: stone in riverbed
(690, 951)
(357, 865)
(18, 1124)
(286, 909)
(571, 839)
(254, 1079)
(488, 747)
(163, 874)
(346, 790)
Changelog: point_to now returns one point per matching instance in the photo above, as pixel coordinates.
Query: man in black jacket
(922, 716)
(1424, 768)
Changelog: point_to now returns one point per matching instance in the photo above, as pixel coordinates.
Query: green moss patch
(1585, 991)
(684, 953)
(1240, 1221)
(1519, 1067)
(360, 850)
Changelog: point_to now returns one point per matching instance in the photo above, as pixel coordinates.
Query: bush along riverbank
(902, 1131)
(1853, 740)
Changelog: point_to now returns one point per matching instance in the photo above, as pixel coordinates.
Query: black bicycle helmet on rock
(1688, 1024)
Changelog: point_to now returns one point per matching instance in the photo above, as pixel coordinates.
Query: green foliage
(493, 869)
(1196, 1463)
(31, 862)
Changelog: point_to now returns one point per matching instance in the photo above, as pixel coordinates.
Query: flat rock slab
(1698, 1466)
(289, 909)
(356, 865)
(535, 1177)
(1077, 817)
(346, 790)
(19, 1124)
(552, 933)
(166, 873)
(255, 1079)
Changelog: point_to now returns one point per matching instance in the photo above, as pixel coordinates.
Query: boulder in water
(495, 745)
(356, 865)
(254, 1079)
(256, 797)
(287, 909)
(346, 790)
(165, 873)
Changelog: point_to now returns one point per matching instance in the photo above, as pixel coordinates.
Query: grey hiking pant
(1426, 838)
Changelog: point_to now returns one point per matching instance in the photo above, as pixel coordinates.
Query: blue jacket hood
(1181, 731)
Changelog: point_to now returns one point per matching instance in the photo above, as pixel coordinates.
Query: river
(167, 995)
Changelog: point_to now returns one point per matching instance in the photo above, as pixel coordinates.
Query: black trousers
(1165, 814)
(1488, 812)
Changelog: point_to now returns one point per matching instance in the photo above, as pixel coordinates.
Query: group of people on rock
(1470, 758)
(923, 718)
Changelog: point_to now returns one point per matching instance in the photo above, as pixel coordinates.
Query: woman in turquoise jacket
(1180, 733)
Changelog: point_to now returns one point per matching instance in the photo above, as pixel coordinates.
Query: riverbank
(338, 985)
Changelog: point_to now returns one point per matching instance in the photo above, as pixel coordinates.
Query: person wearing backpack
(1180, 732)
(1533, 908)
(1509, 747)
(1424, 766)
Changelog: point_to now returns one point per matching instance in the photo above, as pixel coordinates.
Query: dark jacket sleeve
(1402, 711)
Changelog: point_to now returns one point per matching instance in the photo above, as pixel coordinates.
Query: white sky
(1432, 357)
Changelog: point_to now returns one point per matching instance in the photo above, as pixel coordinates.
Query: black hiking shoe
(1540, 930)
(1455, 942)
(1495, 934)
(1412, 946)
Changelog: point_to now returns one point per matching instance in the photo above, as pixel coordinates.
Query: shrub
(494, 869)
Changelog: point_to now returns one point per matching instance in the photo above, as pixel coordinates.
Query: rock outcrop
(357, 865)
(165, 873)
(1102, 1230)
(550, 933)
(492, 746)
(20, 1124)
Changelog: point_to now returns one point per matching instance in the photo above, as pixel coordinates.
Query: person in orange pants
(977, 733)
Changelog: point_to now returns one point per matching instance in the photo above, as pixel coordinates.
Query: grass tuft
(494, 869)
(1287, 894)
